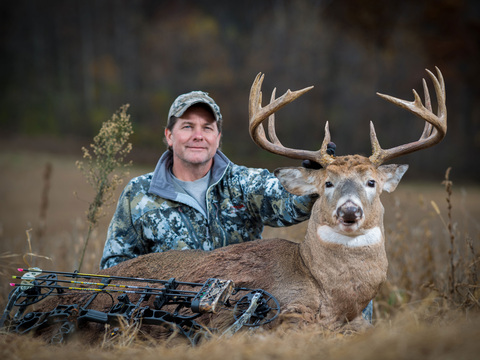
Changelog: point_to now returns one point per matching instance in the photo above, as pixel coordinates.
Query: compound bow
(176, 304)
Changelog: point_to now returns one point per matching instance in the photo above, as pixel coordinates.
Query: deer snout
(349, 214)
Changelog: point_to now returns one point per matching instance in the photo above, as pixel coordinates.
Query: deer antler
(258, 114)
(435, 128)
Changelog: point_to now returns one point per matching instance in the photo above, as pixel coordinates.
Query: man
(196, 198)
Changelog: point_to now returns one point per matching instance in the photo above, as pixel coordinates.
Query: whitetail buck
(332, 275)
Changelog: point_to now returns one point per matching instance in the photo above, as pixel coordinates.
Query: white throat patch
(371, 236)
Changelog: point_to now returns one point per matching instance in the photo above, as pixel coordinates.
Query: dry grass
(402, 338)
(429, 307)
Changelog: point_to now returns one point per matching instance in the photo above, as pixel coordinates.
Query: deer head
(349, 187)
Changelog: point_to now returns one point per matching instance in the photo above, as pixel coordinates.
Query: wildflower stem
(109, 149)
(452, 251)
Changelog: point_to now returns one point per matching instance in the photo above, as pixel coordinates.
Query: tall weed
(104, 166)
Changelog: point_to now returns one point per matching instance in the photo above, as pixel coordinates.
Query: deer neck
(329, 254)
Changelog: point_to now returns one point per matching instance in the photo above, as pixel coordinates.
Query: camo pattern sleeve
(267, 200)
(124, 236)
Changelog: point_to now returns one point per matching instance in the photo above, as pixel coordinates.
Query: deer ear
(392, 174)
(298, 180)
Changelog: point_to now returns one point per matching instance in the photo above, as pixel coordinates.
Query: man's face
(194, 138)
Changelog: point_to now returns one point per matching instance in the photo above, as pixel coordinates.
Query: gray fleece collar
(162, 182)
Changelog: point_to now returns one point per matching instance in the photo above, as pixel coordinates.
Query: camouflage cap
(184, 101)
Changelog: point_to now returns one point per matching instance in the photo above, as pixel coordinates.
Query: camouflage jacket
(152, 217)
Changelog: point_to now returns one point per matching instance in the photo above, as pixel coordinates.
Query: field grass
(428, 308)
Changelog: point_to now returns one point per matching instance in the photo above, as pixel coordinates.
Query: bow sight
(172, 304)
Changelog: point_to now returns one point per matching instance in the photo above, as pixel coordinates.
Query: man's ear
(168, 137)
(298, 180)
(392, 174)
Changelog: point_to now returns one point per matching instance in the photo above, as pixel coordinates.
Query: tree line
(68, 65)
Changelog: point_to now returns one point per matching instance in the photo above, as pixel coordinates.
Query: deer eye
(328, 184)
(371, 183)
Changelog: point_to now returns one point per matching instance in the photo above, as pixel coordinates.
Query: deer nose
(349, 212)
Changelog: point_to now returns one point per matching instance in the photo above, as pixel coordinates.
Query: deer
(333, 274)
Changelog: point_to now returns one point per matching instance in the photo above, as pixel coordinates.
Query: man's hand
(309, 164)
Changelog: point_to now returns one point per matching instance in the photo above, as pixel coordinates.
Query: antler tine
(258, 114)
(434, 130)
(427, 130)
(271, 123)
